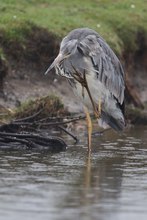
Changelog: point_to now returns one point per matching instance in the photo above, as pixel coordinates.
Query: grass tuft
(48, 106)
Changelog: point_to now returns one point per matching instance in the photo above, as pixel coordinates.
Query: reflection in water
(108, 184)
(101, 186)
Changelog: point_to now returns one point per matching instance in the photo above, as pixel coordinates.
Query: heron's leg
(99, 106)
(89, 128)
(98, 110)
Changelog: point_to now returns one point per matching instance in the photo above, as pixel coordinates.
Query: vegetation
(119, 22)
(43, 107)
(47, 106)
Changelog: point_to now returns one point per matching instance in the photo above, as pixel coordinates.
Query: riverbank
(30, 34)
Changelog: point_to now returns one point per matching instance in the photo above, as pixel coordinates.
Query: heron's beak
(55, 62)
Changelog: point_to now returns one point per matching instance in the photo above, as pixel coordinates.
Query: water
(111, 184)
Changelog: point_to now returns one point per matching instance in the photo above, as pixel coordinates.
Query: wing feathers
(108, 68)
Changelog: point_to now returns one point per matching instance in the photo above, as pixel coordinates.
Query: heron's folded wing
(106, 64)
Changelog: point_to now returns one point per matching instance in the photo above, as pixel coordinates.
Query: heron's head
(67, 48)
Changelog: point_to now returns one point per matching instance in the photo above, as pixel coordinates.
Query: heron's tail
(117, 124)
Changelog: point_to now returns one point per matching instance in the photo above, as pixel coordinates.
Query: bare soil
(20, 86)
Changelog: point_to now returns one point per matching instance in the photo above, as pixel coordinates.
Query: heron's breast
(97, 90)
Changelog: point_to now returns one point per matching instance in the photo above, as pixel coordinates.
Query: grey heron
(96, 76)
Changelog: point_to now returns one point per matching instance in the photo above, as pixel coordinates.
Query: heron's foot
(80, 77)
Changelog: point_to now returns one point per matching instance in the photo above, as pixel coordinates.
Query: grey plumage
(85, 51)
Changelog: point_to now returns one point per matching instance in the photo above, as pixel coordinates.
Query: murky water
(112, 184)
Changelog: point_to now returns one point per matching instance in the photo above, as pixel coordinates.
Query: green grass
(48, 106)
(117, 21)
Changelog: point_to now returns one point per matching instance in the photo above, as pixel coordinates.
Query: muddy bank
(136, 68)
(26, 64)
(23, 65)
